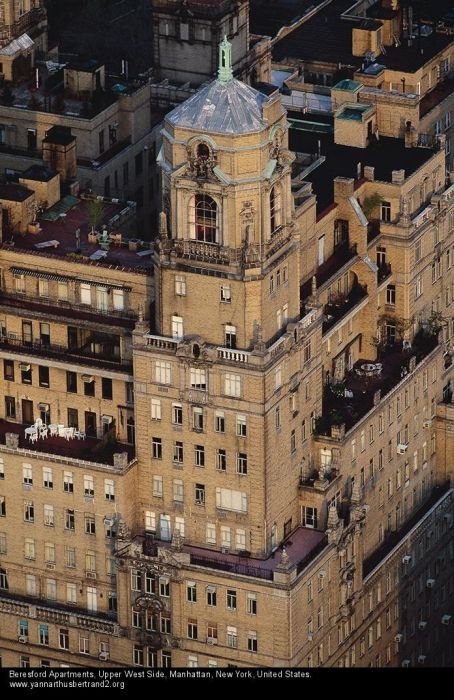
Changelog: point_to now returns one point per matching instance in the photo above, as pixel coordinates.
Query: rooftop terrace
(57, 238)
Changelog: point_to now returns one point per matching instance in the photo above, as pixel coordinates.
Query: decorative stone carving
(247, 216)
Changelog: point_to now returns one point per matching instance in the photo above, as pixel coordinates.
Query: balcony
(28, 20)
(64, 354)
(340, 257)
(104, 158)
(56, 448)
(67, 309)
(339, 307)
(383, 272)
(345, 403)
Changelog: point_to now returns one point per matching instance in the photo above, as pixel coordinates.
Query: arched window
(206, 218)
(275, 209)
(203, 151)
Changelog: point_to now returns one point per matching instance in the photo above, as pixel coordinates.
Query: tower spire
(225, 73)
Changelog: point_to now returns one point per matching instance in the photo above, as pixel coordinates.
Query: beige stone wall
(45, 192)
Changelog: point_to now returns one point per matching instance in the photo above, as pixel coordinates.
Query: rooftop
(267, 17)
(57, 237)
(384, 155)
(328, 38)
(89, 449)
(40, 173)
(222, 107)
(11, 192)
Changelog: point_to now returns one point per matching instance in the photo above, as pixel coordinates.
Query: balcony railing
(340, 257)
(60, 352)
(337, 310)
(233, 567)
(28, 20)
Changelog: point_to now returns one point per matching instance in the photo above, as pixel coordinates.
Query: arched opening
(206, 218)
(203, 151)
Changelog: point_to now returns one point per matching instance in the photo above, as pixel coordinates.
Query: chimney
(398, 177)
(369, 172)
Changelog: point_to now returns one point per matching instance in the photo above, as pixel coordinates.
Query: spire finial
(225, 73)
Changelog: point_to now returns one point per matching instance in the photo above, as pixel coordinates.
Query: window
(31, 584)
(49, 519)
(8, 370)
(138, 162)
(232, 385)
(191, 592)
(252, 641)
(71, 593)
(231, 599)
(118, 301)
(43, 288)
(51, 589)
(177, 327)
(418, 250)
(106, 388)
(230, 336)
(24, 661)
(178, 491)
(156, 448)
(197, 418)
(211, 533)
(251, 603)
(219, 422)
(63, 638)
(241, 463)
(2, 469)
(27, 474)
(62, 291)
(211, 596)
(162, 372)
(226, 536)
(199, 455)
(225, 294)
(43, 635)
(275, 209)
(90, 524)
(71, 382)
(29, 511)
(228, 499)
(2, 506)
(109, 490)
(19, 284)
(200, 494)
(4, 580)
(155, 409)
(157, 486)
(178, 452)
(177, 414)
(3, 548)
(309, 516)
(232, 637)
(89, 486)
(89, 387)
(385, 211)
(180, 286)
(221, 460)
(10, 407)
(29, 548)
(307, 351)
(49, 552)
(198, 378)
(68, 484)
(391, 294)
(26, 375)
(204, 219)
(192, 629)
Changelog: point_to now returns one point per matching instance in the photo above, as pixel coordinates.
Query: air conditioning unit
(322, 573)
(87, 378)
(310, 637)
(406, 559)
(448, 518)
(421, 659)
(402, 447)
(446, 619)
(426, 423)
(406, 663)
(22, 638)
(406, 345)
(225, 550)
(398, 637)
(24, 367)
(11, 336)
(109, 522)
(212, 640)
(430, 583)
(422, 624)
(90, 574)
(50, 565)
(103, 656)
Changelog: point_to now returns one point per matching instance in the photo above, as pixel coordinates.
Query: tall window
(206, 218)
(275, 210)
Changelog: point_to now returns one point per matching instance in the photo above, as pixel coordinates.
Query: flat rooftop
(384, 155)
(327, 38)
(87, 449)
(57, 239)
(268, 16)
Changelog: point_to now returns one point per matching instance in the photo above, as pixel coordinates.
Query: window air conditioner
(406, 559)
(402, 448)
(399, 637)
(422, 624)
(225, 550)
(90, 574)
(430, 583)
(22, 638)
(50, 565)
(421, 659)
(24, 367)
(446, 619)
(103, 655)
(211, 640)
(87, 378)
(427, 424)
(405, 663)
